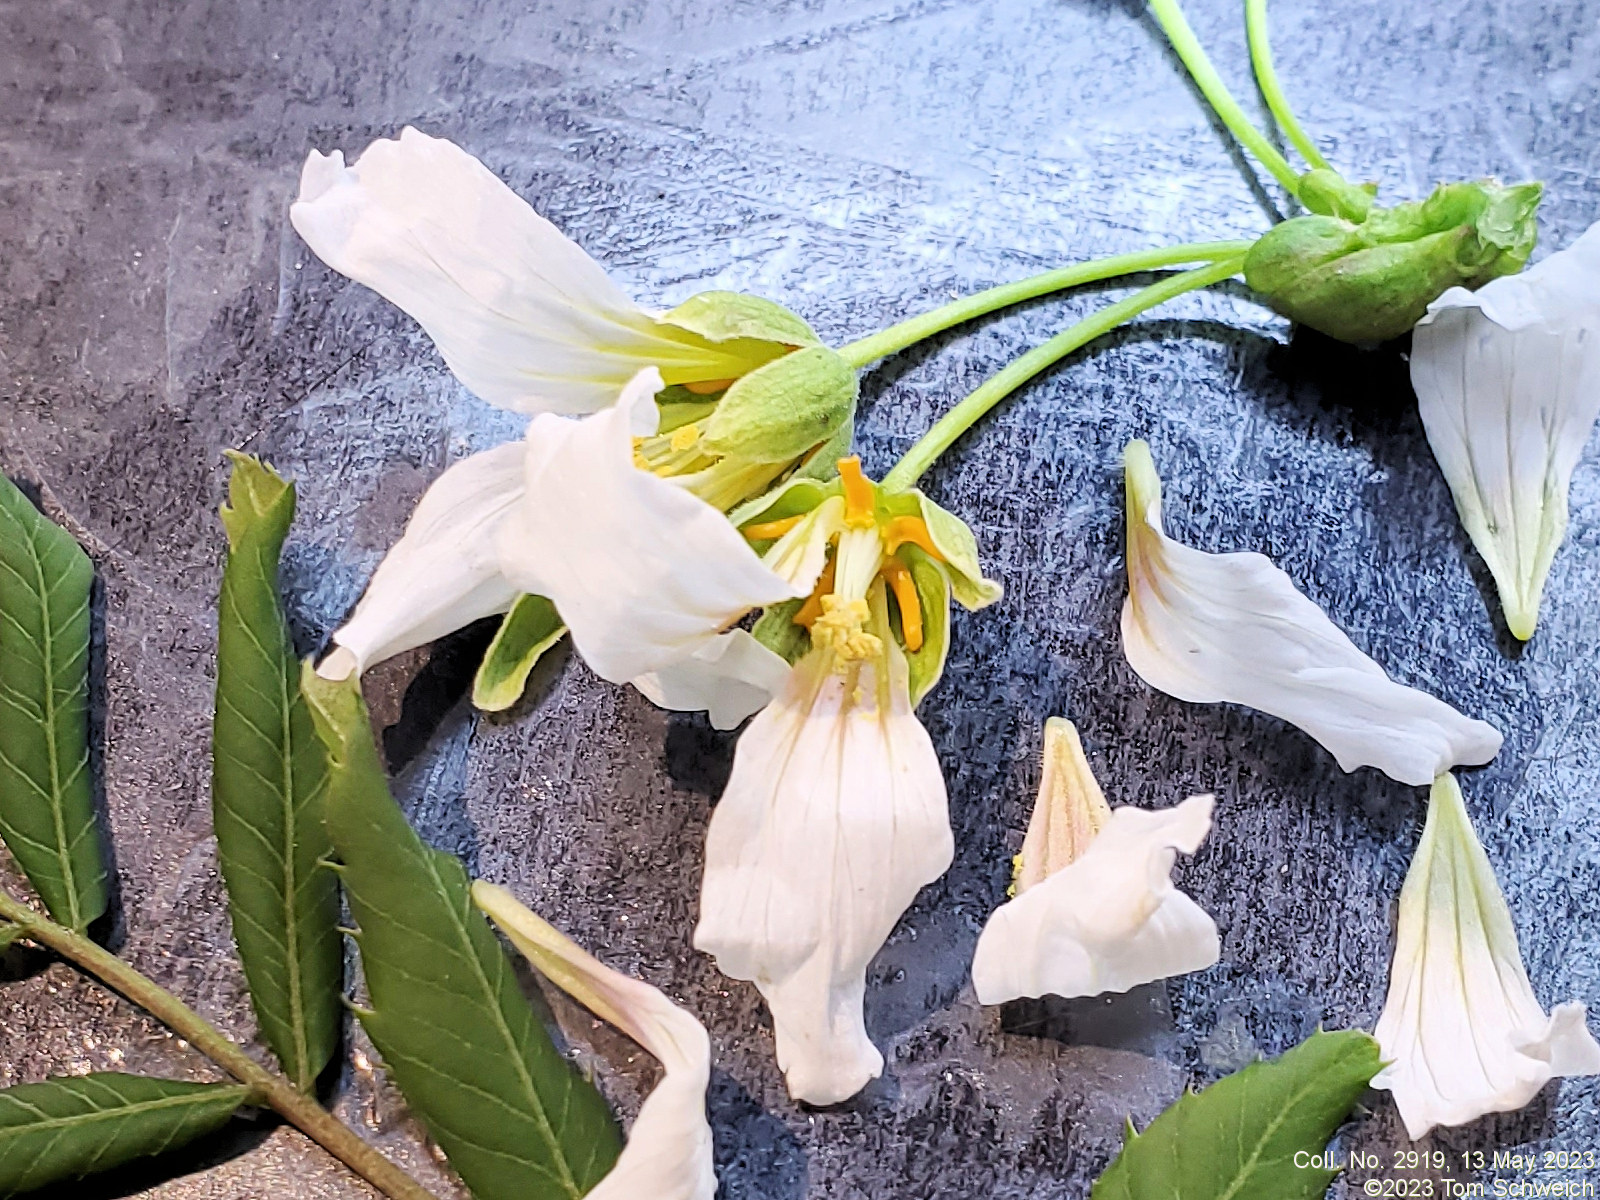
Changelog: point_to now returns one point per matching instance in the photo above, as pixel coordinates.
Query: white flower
(1508, 385)
(520, 313)
(668, 1155)
(1461, 1031)
(1095, 909)
(1232, 628)
(645, 574)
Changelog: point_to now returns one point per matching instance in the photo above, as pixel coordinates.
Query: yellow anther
(904, 588)
(707, 387)
(842, 629)
(859, 494)
(768, 531)
(902, 531)
(640, 461)
(684, 436)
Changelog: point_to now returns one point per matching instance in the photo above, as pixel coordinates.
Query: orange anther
(858, 493)
(706, 387)
(812, 608)
(898, 577)
(913, 530)
(768, 531)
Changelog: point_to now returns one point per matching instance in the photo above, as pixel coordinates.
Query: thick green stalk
(1255, 18)
(1217, 94)
(997, 387)
(909, 332)
(271, 1089)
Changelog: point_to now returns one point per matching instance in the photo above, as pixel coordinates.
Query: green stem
(997, 387)
(1217, 94)
(1255, 19)
(909, 332)
(298, 1109)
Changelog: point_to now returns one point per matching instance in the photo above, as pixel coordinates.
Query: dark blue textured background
(857, 162)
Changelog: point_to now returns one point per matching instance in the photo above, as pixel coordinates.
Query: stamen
(859, 494)
(842, 629)
(771, 530)
(808, 612)
(684, 437)
(898, 577)
(913, 530)
(706, 387)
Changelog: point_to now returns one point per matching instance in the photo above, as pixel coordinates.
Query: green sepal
(1239, 1137)
(955, 544)
(1372, 280)
(795, 497)
(734, 316)
(785, 408)
(1330, 194)
(823, 462)
(776, 630)
(47, 812)
(526, 633)
(67, 1128)
(455, 1031)
(926, 665)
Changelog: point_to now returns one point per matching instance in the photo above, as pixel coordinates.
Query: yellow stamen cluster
(842, 629)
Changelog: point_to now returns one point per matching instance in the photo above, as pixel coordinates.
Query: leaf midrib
(125, 1109)
(1247, 1167)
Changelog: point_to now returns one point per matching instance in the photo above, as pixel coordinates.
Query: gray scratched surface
(857, 162)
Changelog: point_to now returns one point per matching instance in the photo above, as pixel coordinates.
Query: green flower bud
(1367, 275)
(784, 409)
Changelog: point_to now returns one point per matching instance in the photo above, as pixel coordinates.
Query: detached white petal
(732, 676)
(1095, 910)
(833, 819)
(643, 572)
(669, 1151)
(1462, 1031)
(520, 313)
(444, 573)
(1508, 385)
(1232, 628)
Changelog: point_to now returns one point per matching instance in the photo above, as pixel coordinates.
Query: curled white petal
(1508, 386)
(1461, 1031)
(1069, 813)
(521, 314)
(669, 1151)
(833, 819)
(1107, 922)
(1232, 628)
(444, 573)
(731, 677)
(800, 555)
(643, 572)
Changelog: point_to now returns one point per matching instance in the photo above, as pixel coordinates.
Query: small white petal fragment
(1095, 909)
(1232, 628)
(731, 677)
(834, 818)
(444, 573)
(1508, 385)
(1069, 813)
(520, 313)
(643, 572)
(668, 1155)
(1462, 1031)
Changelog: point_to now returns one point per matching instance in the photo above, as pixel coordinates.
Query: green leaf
(268, 779)
(1237, 1139)
(458, 1036)
(68, 1128)
(526, 632)
(47, 812)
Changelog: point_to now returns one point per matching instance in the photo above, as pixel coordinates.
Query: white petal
(1461, 1031)
(732, 677)
(669, 1151)
(1232, 628)
(833, 819)
(444, 573)
(1508, 385)
(800, 555)
(1109, 921)
(642, 572)
(521, 314)
(1069, 813)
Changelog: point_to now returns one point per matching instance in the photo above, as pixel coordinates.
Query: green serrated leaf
(47, 815)
(1238, 1138)
(68, 1128)
(526, 633)
(458, 1036)
(268, 779)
